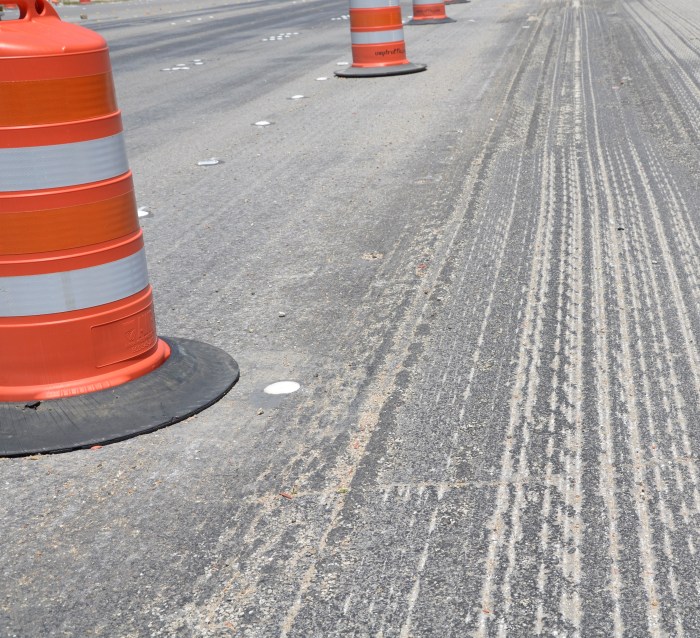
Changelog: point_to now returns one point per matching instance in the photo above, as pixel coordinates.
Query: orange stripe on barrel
(49, 101)
(71, 259)
(79, 351)
(53, 66)
(379, 55)
(384, 18)
(60, 133)
(53, 229)
(28, 201)
(427, 10)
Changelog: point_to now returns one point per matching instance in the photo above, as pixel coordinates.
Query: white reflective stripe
(373, 4)
(422, 2)
(376, 37)
(32, 295)
(36, 167)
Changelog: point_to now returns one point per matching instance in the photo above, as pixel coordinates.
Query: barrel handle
(35, 9)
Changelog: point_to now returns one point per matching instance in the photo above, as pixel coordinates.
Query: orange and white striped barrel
(76, 308)
(429, 12)
(376, 35)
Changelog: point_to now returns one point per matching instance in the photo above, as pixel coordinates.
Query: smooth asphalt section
(488, 276)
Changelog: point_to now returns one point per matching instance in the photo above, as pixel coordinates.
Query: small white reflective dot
(297, 97)
(321, 79)
(342, 63)
(282, 387)
(212, 161)
(142, 211)
(262, 123)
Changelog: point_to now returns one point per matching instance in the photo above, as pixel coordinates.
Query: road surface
(488, 276)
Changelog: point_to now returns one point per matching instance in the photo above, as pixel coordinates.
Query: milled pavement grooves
(535, 467)
(537, 470)
(538, 473)
(509, 447)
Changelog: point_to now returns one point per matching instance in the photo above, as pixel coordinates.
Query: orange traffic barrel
(429, 12)
(80, 359)
(376, 35)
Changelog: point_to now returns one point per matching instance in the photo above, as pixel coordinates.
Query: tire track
(505, 522)
(621, 178)
(665, 45)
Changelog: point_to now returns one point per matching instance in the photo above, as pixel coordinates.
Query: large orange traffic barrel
(429, 12)
(80, 359)
(376, 35)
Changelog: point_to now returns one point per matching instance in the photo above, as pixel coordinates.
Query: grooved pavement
(501, 437)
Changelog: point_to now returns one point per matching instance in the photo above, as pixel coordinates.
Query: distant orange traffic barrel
(76, 306)
(376, 35)
(429, 12)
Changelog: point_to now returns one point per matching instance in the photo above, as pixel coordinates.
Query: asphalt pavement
(485, 279)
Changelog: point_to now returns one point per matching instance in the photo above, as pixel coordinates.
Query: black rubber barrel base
(415, 22)
(195, 376)
(380, 71)
(456, 2)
